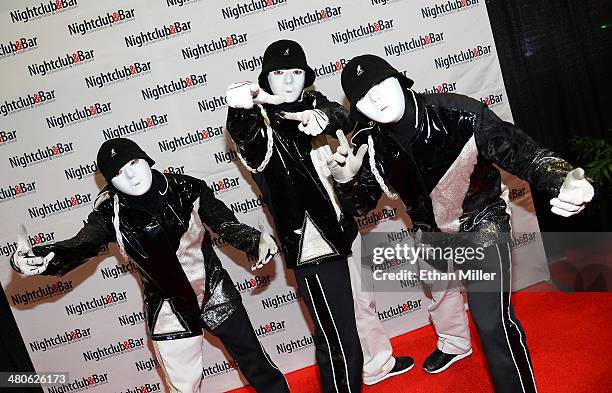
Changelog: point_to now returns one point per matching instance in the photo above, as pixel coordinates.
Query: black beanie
(284, 55)
(363, 72)
(115, 153)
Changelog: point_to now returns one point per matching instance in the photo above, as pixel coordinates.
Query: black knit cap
(363, 72)
(284, 55)
(115, 153)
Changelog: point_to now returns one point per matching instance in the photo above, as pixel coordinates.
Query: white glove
(312, 121)
(267, 247)
(244, 95)
(575, 193)
(23, 258)
(343, 164)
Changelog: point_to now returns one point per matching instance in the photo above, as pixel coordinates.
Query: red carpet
(569, 338)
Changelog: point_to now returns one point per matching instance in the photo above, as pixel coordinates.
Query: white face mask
(288, 84)
(384, 102)
(134, 178)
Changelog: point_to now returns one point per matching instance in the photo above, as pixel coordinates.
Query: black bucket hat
(282, 55)
(363, 72)
(115, 153)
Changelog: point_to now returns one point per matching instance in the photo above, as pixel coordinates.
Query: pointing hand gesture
(343, 164)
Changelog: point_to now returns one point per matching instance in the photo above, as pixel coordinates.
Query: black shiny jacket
(290, 184)
(446, 173)
(172, 250)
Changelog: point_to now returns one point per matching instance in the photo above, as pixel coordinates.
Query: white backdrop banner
(76, 73)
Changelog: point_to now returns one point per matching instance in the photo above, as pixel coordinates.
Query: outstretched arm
(222, 221)
(514, 151)
(247, 123)
(66, 255)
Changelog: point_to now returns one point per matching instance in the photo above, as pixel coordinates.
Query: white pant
(378, 357)
(182, 363)
(447, 313)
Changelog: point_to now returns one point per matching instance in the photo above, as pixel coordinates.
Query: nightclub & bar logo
(144, 388)
(190, 139)
(175, 169)
(225, 184)
(59, 206)
(517, 193)
(96, 303)
(147, 365)
(131, 319)
(114, 349)
(309, 19)
(180, 3)
(252, 283)
(158, 34)
(174, 86)
(60, 340)
(269, 329)
(249, 8)
(101, 22)
(119, 270)
(41, 155)
(375, 217)
(61, 62)
(362, 31)
(214, 46)
(78, 384)
(523, 239)
(450, 7)
(332, 68)
(15, 47)
(226, 156)
(135, 127)
(295, 345)
(493, 100)
(220, 368)
(415, 44)
(444, 87)
(42, 10)
(281, 300)
(77, 115)
(399, 310)
(463, 57)
(117, 75)
(23, 103)
(212, 104)
(252, 63)
(41, 293)
(248, 205)
(19, 190)
(83, 170)
(8, 137)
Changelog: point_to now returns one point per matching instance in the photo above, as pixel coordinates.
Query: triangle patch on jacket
(167, 320)
(313, 244)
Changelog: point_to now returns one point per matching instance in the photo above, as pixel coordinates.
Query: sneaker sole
(389, 375)
(447, 365)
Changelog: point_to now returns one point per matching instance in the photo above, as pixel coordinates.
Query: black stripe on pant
(501, 334)
(326, 289)
(237, 335)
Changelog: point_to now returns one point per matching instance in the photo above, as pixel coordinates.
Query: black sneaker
(439, 361)
(402, 364)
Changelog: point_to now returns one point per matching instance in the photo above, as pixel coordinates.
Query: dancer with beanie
(156, 219)
(436, 152)
(279, 129)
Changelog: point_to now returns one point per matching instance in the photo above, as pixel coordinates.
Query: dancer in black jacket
(156, 219)
(437, 153)
(279, 131)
